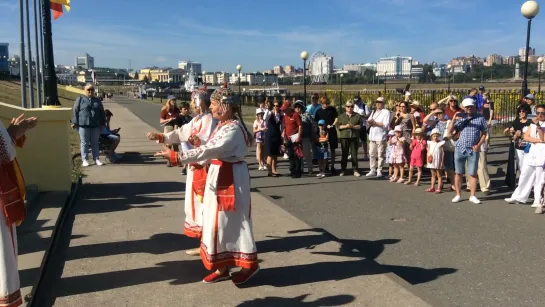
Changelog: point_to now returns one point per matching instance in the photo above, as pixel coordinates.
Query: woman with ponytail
(193, 135)
(227, 236)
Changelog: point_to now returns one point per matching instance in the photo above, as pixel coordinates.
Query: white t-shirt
(362, 110)
(378, 134)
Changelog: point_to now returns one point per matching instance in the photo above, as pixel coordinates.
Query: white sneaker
(319, 175)
(98, 162)
(85, 163)
(474, 200)
(371, 174)
(323, 175)
(536, 205)
(357, 174)
(379, 174)
(539, 210)
(457, 199)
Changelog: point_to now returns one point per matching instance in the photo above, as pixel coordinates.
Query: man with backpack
(309, 133)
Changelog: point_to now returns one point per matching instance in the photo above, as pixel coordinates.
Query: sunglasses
(351, 107)
(452, 100)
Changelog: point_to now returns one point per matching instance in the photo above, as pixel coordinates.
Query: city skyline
(148, 37)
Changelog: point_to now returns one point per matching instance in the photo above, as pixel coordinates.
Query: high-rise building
(85, 62)
(510, 60)
(359, 68)
(468, 61)
(278, 69)
(187, 65)
(397, 67)
(492, 59)
(522, 52)
(4, 58)
(289, 69)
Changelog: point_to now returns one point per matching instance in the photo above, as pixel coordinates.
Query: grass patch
(10, 92)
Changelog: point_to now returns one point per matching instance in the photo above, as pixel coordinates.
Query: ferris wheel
(320, 67)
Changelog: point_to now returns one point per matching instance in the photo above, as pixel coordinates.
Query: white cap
(468, 102)
(380, 99)
(259, 110)
(435, 131)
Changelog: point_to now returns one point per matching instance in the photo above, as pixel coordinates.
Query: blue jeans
(89, 136)
(460, 159)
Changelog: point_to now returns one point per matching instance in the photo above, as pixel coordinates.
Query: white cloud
(10, 5)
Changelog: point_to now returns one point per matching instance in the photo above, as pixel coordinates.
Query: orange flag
(57, 10)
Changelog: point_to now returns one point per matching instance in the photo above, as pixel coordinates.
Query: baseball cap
(299, 103)
(257, 111)
(321, 122)
(468, 102)
(531, 97)
(286, 105)
(380, 99)
(171, 97)
(349, 103)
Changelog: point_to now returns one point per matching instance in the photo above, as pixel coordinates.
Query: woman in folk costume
(191, 136)
(227, 237)
(12, 199)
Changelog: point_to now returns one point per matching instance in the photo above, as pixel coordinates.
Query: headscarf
(224, 95)
(199, 96)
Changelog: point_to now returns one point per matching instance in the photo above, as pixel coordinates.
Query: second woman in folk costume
(227, 237)
(193, 135)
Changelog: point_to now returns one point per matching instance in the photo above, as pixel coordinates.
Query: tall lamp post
(529, 9)
(539, 63)
(304, 56)
(51, 94)
(449, 68)
(341, 100)
(239, 68)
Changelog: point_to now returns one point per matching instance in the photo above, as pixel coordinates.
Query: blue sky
(260, 34)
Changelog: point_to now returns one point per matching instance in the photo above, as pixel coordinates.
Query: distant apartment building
(493, 59)
(268, 71)
(289, 69)
(85, 62)
(510, 60)
(466, 61)
(4, 58)
(254, 79)
(187, 65)
(210, 78)
(397, 67)
(359, 68)
(278, 69)
(161, 74)
(522, 52)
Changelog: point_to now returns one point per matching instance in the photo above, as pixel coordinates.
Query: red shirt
(170, 113)
(292, 123)
(450, 113)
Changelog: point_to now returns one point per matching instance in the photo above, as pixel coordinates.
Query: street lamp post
(384, 83)
(304, 56)
(51, 95)
(539, 63)
(239, 68)
(529, 9)
(449, 68)
(341, 100)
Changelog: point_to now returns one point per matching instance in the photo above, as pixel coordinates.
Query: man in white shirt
(378, 129)
(362, 109)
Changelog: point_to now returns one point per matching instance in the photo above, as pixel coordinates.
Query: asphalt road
(470, 255)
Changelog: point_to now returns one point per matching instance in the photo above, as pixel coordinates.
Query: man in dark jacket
(349, 127)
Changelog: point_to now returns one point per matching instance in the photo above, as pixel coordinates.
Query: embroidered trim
(11, 300)
(192, 231)
(229, 258)
(173, 157)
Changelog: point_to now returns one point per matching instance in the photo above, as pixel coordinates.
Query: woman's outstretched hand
(152, 136)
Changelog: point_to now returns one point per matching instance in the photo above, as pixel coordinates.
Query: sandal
(393, 179)
(400, 180)
(438, 191)
(416, 184)
(430, 189)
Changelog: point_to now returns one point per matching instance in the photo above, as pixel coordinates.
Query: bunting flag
(57, 10)
(66, 3)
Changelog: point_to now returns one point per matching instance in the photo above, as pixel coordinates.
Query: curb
(29, 299)
(392, 276)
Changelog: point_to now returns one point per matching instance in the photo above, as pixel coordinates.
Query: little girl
(391, 133)
(435, 157)
(259, 131)
(417, 148)
(322, 153)
(397, 156)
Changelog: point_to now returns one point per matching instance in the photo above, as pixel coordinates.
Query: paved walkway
(123, 246)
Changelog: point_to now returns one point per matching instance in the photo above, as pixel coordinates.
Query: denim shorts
(460, 159)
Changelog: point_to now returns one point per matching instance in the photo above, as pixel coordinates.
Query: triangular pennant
(57, 10)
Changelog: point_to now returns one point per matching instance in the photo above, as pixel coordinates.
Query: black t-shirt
(489, 105)
(183, 119)
(329, 115)
(518, 125)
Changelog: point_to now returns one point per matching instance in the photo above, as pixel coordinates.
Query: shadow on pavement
(139, 158)
(112, 197)
(273, 301)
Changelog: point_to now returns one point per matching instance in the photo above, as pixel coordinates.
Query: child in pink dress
(397, 155)
(418, 146)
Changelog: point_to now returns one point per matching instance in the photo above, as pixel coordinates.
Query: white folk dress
(435, 149)
(10, 295)
(227, 236)
(201, 126)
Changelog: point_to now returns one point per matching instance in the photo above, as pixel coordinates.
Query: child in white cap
(434, 159)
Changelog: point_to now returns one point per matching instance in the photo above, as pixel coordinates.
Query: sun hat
(418, 131)
(415, 103)
(391, 133)
(380, 99)
(321, 122)
(298, 103)
(257, 111)
(468, 102)
(398, 128)
(435, 131)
